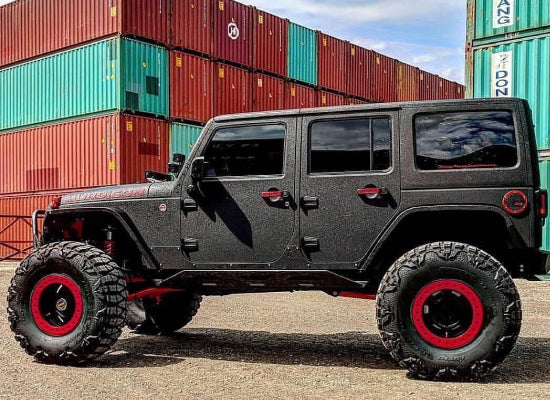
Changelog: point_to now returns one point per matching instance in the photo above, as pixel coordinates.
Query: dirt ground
(273, 346)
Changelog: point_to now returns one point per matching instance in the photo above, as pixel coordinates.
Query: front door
(350, 185)
(244, 211)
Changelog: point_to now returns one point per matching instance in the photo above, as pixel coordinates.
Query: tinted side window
(465, 140)
(350, 145)
(245, 151)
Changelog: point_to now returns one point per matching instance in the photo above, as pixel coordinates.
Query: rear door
(350, 185)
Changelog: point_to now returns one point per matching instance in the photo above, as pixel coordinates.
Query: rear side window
(357, 145)
(246, 151)
(465, 140)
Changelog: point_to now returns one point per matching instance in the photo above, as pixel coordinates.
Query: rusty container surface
(299, 96)
(428, 86)
(191, 87)
(445, 89)
(26, 30)
(384, 84)
(191, 25)
(269, 93)
(100, 151)
(233, 92)
(407, 82)
(360, 72)
(333, 62)
(328, 99)
(233, 32)
(270, 48)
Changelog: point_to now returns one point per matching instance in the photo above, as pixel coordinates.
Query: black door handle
(310, 202)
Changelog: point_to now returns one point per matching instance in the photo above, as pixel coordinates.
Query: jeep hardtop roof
(483, 103)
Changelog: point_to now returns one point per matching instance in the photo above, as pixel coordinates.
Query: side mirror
(198, 168)
(178, 158)
(175, 168)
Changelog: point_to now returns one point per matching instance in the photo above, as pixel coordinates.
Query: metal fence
(15, 237)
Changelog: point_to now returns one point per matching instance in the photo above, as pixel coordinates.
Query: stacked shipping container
(508, 55)
(66, 88)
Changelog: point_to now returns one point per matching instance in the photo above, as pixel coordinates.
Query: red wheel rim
(57, 305)
(463, 324)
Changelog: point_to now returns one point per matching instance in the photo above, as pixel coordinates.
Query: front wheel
(448, 311)
(67, 303)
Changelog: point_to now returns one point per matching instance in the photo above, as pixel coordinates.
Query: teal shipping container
(183, 137)
(516, 69)
(106, 76)
(544, 166)
(496, 20)
(302, 54)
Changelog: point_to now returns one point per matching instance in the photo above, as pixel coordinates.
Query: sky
(429, 34)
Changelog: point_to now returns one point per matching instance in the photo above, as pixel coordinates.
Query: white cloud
(2, 2)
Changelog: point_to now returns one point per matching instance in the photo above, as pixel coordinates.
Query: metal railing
(15, 250)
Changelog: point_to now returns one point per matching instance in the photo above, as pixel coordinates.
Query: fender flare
(124, 221)
(398, 219)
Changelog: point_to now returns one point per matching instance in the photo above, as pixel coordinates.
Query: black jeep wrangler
(429, 208)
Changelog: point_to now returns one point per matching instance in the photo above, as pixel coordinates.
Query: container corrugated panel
(524, 74)
(498, 18)
(114, 74)
(302, 54)
(269, 93)
(191, 87)
(360, 72)
(446, 90)
(299, 96)
(270, 43)
(183, 137)
(233, 90)
(428, 86)
(233, 32)
(333, 62)
(352, 101)
(27, 30)
(407, 82)
(144, 78)
(105, 150)
(544, 167)
(143, 18)
(460, 91)
(191, 23)
(327, 99)
(384, 87)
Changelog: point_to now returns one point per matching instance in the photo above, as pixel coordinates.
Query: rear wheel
(66, 303)
(448, 311)
(163, 314)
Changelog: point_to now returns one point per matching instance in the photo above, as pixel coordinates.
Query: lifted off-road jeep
(429, 208)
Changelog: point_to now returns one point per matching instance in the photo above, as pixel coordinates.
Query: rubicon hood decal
(115, 193)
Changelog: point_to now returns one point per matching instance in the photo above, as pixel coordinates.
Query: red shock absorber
(109, 245)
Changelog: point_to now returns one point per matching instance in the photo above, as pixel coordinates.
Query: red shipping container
(333, 63)
(327, 99)
(385, 79)
(269, 93)
(232, 32)
(459, 91)
(30, 28)
(446, 89)
(407, 82)
(191, 87)
(427, 86)
(352, 102)
(298, 96)
(233, 90)
(270, 43)
(360, 72)
(191, 23)
(100, 151)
